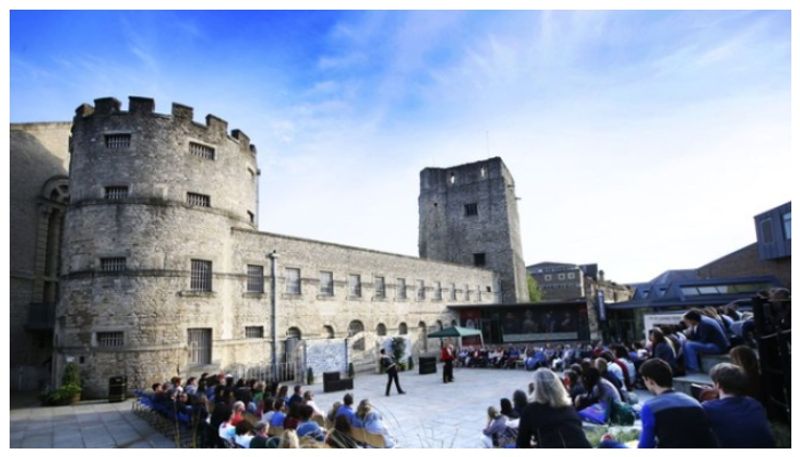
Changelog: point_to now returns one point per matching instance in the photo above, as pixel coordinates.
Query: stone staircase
(707, 362)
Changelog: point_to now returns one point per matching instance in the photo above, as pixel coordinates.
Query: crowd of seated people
(246, 414)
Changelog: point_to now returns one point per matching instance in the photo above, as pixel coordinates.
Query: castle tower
(468, 215)
(145, 256)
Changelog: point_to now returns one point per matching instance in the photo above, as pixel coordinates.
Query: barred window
(293, 281)
(201, 275)
(420, 289)
(110, 339)
(354, 283)
(466, 293)
(118, 141)
(401, 288)
(116, 192)
(380, 287)
(453, 291)
(255, 278)
(198, 199)
(112, 264)
(471, 209)
(201, 150)
(256, 331)
(326, 283)
(438, 291)
(478, 289)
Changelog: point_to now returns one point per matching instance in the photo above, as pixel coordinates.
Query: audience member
(340, 436)
(706, 336)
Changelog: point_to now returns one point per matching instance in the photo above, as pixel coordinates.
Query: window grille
(471, 209)
(255, 278)
(116, 192)
(112, 264)
(110, 339)
(326, 283)
(401, 288)
(453, 292)
(201, 150)
(293, 281)
(354, 282)
(380, 287)
(466, 293)
(118, 141)
(201, 275)
(420, 289)
(254, 332)
(198, 199)
(438, 291)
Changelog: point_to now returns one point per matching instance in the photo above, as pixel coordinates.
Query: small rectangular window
(199, 346)
(479, 259)
(252, 217)
(466, 293)
(471, 209)
(116, 192)
(201, 150)
(113, 264)
(255, 278)
(401, 288)
(380, 287)
(420, 289)
(787, 226)
(354, 283)
(255, 331)
(478, 290)
(201, 275)
(118, 141)
(437, 294)
(198, 199)
(453, 292)
(326, 283)
(110, 339)
(293, 281)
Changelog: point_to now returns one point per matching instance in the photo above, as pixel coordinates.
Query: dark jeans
(447, 373)
(393, 376)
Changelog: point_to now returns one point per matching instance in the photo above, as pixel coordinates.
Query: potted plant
(351, 370)
(70, 390)
(310, 376)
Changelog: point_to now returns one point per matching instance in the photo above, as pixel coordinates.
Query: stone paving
(430, 415)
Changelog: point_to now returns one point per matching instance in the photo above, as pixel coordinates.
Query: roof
(452, 332)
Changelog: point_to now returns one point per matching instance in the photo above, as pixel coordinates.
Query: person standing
(447, 357)
(390, 367)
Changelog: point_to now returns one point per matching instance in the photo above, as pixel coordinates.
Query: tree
(534, 291)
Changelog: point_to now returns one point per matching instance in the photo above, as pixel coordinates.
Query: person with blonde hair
(550, 420)
(372, 423)
(289, 440)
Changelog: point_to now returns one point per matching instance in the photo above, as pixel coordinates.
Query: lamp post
(273, 256)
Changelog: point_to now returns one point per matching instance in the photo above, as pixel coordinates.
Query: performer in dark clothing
(390, 367)
(447, 357)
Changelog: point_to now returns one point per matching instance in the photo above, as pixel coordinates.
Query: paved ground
(430, 415)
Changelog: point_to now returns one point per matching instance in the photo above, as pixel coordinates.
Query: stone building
(163, 269)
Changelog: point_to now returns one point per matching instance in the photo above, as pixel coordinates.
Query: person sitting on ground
(297, 396)
(306, 426)
(622, 359)
(347, 410)
(599, 390)
(279, 416)
(572, 383)
(706, 337)
(341, 435)
(602, 366)
(372, 422)
(671, 419)
(520, 401)
(238, 413)
(662, 349)
(308, 399)
(261, 437)
(244, 433)
(738, 421)
(550, 420)
(495, 428)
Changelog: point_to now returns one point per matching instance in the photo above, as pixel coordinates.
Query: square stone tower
(468, 215)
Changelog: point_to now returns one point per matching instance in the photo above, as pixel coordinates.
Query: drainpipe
(274, 309)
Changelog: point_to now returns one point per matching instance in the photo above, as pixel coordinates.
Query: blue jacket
(739, 422)
(710, 331)
(675, 420)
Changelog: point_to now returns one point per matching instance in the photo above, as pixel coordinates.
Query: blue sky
(642, 141)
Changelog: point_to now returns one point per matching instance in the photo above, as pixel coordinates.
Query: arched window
(356, 328)
(402, 328)
(423, 335)
(294, 333)
(453, 323)
(440, 325)
(381, 330)
(327, 332)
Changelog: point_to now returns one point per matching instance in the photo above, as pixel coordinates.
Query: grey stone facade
(468, 215)
(131, 292)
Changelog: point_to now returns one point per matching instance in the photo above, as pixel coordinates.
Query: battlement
(439, 179)
(180, 114)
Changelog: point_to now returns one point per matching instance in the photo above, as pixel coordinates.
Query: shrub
(351, 370)
(310, 376)
(72, 374)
